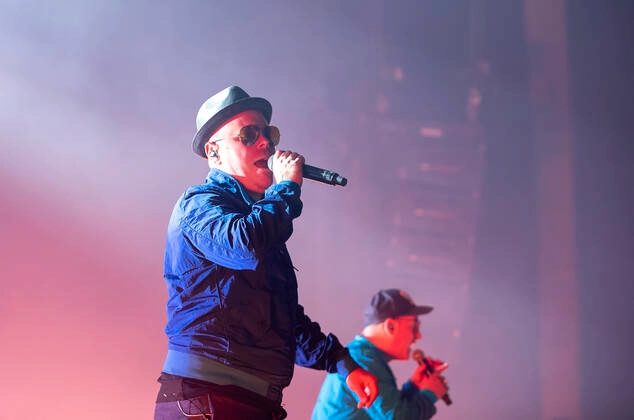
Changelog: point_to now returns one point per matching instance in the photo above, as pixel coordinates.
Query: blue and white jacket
(233, 311)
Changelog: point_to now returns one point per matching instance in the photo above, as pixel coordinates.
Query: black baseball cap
(392, 303)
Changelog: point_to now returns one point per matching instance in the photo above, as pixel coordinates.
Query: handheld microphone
(317, 174)
(419, 357)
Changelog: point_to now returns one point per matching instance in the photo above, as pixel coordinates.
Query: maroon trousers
(216, 407)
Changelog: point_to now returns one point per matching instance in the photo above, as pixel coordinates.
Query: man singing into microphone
(391, 328)
(234, 325)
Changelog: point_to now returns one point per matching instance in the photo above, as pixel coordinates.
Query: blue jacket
(337, 402)
(233, 313)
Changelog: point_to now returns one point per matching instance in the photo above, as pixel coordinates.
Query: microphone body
(419, 357)
(317, 174)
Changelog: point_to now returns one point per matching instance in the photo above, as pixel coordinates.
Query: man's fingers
(364, 385)
(363, 397)
(373, 391)
(367, 395)
(441, 368)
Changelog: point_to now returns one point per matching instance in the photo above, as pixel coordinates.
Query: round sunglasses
(249, 134)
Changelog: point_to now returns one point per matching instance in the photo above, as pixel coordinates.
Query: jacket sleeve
(229, 232)
(316, 350)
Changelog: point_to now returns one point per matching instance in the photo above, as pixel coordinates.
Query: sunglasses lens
(249, 134)
(273, 134)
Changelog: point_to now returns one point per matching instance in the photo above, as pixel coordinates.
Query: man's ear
(390, 325)
(210, 149)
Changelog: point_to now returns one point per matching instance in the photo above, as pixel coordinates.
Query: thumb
(441, 368)
(362, 393)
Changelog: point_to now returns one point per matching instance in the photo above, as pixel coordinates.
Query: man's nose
(262, 142)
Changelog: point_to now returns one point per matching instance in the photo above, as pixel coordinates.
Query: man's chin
(267, 182)
(265, 174)
(263, 178)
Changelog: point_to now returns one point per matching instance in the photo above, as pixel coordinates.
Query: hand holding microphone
(286, 166)
(286, 162)
(432, 370)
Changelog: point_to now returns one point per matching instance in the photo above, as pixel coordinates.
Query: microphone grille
(418, 355)
(269, 162)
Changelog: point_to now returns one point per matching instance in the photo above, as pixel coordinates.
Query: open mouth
(262, 163)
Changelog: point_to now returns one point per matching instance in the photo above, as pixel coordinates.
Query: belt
(226, 400)
(208, 370)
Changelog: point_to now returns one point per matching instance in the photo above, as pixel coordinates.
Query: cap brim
(422, 310)
(257, 104)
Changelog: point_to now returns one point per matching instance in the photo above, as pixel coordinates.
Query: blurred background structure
(487, 144)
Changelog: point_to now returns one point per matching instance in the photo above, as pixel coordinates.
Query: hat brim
(256, 104)
(421, 310)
